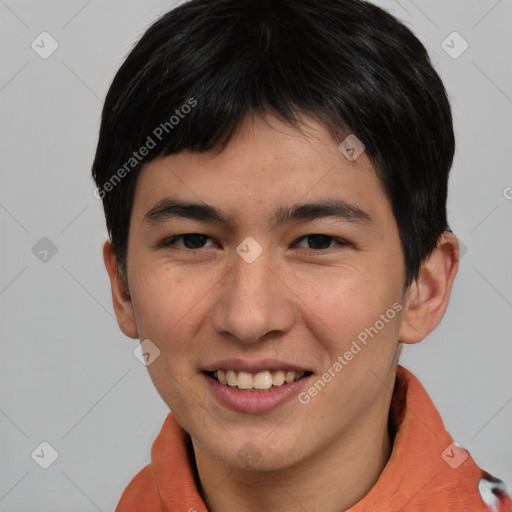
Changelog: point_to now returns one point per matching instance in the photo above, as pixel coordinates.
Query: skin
(295, 302)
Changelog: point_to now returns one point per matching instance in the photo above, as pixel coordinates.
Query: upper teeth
(261, 380)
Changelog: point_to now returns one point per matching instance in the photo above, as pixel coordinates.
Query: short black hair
(205, 66)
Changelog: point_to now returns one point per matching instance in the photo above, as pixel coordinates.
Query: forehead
(266, 171)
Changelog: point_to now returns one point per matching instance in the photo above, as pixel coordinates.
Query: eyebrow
(168, 208)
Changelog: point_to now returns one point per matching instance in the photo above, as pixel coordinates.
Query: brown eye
(191, 241)
(320, 242)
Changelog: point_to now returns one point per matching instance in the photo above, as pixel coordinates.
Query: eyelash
(172, 241)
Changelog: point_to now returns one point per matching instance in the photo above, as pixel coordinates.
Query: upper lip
(254, 366)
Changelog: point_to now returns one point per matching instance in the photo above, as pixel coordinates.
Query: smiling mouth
(261, 381)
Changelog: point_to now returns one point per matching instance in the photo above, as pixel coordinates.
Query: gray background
(68, 375)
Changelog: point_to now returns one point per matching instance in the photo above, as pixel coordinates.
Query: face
(267, 290)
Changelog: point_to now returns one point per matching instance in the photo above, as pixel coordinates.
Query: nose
(254, 303)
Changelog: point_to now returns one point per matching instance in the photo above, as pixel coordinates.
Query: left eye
(320, 241)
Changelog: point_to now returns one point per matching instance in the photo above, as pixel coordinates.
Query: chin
(251, 455)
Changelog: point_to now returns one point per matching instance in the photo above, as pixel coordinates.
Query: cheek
(159, 302)
(170, 305)
(337, 304)
(347, 306)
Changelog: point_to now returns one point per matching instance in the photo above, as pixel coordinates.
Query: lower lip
(254, 402)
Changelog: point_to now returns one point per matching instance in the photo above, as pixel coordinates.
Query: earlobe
(121, 300)
(427, 298)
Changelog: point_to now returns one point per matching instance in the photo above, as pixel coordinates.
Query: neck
(332, 480)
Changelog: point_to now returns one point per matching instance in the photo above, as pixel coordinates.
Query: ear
(123, 306)
(428, 296)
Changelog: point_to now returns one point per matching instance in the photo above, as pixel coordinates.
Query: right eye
(190, 241)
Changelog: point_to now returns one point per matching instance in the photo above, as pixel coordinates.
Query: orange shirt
(425, 473)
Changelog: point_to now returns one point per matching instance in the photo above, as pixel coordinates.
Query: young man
(274, 177)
